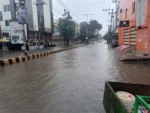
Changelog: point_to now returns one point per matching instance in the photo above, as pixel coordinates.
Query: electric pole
(87, 16)
(110, 27)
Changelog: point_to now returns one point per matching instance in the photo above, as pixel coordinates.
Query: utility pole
(35, 36)
(40, 20)
(87, 16)
(111, 26)
(111, 14)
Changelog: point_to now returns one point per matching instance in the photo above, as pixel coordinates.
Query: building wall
(35, 16)
(6, 16)
(10, 15)
(126, 5)
(29, 10)
(143, 31)
(32, 15)
(44, 12)
(47, 16)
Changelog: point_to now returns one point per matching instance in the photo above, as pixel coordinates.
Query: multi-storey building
(143, 25)
(125, 11)
(41, 18)
(137, 34)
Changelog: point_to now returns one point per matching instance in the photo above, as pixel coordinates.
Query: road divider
(7, 62)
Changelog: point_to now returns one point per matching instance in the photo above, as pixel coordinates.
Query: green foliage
(67, 27)
(83, 30)
(90, 30)
(105, 37)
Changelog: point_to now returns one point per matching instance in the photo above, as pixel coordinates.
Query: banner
(21, 12)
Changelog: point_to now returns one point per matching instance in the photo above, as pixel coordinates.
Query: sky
(79, 7)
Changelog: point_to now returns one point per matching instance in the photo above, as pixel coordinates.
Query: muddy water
(66, 82)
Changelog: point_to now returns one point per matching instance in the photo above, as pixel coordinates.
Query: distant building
(9, 8)
(117, 14)
(56, 35)
(142, 25)
(125, 11)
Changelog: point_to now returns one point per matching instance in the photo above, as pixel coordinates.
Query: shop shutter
(132, 36)
(126, 36)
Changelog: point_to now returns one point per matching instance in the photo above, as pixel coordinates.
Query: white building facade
(117, 13)
(9, 7)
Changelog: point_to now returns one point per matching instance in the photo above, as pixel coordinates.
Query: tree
(94, 28)
(67, 27)
(90, 30)
(105, 37)
(83, 30)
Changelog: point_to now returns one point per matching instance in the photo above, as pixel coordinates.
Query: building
(1, 19)
(56, 35)
(137, 34)
(117, 15)
(41, 18)
(45, 18)
(125, 11)
(142, 25)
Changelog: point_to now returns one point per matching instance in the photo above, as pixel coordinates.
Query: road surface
(67, 82)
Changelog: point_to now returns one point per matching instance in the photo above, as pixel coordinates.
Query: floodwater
(67, 82)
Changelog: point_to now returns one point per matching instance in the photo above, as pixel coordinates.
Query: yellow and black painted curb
(6, 62)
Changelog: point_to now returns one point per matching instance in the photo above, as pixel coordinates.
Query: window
(140, 12)
(6, 22)
(120, 10)
(126, 12)
(7, 8)
(133, 7)
(1, 16)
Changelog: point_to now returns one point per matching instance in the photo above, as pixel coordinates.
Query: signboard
(21, 16)
(125, 23)
(21, 12)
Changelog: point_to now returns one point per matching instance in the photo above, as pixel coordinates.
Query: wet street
(67, 82)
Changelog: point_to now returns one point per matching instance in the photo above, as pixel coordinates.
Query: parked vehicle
(114, 43)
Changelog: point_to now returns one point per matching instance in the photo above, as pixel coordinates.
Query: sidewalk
(133, 55)
(12, 54)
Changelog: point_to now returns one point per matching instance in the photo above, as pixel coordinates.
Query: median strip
(6, 62)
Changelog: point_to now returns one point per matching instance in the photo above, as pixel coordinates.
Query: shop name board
(124, 23)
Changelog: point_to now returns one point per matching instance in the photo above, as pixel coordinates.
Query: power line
(106, 4)
(67, 8)
(87, 15)
(103, 4)
(93, 3)
(57, 11)
(54, 6)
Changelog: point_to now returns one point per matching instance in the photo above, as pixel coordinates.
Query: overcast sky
(78, 7)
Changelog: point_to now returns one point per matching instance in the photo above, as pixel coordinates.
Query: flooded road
(67, 82)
